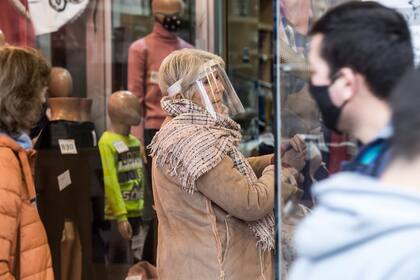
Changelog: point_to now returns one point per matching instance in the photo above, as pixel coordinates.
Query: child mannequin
(122, 162)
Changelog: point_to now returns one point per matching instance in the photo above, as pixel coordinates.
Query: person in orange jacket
(24, 250)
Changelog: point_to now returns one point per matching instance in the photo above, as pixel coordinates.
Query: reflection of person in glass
(215, 207)
(299, 111)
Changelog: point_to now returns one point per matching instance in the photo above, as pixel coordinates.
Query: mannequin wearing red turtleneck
(144, 58)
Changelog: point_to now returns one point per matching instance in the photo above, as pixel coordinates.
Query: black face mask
(330, 113)
(42, 122)
(171, 22)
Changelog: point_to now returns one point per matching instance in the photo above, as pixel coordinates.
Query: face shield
(213, 91)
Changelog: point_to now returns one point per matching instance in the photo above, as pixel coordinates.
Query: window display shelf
(243, 20)
(265, 27)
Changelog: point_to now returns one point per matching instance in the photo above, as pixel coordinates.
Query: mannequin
(168, 7)
(66, 219)
(62, 105)
(144, 58)
(68, 117)
(85, 110)
(123, 169)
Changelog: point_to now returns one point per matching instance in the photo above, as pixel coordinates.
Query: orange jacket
(24, 246)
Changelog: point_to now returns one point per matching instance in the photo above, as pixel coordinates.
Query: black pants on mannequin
(149, 215)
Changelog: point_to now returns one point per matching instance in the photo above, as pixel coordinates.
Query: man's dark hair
(369, 38)
(405, 104)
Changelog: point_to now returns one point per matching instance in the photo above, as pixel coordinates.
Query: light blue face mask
(22, 139)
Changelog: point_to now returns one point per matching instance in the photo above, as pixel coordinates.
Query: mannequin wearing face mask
(144, 59)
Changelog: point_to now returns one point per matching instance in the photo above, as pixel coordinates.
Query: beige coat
(205, 235)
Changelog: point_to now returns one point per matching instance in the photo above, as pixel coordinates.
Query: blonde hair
(184, 64)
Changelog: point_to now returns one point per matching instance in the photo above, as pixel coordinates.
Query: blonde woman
(24, 251)
(214, 207)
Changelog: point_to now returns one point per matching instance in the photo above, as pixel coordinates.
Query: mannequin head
(62, 105)
(167, 7)
(2, 39)
(124, 109)
(60, 83)
(168, 13)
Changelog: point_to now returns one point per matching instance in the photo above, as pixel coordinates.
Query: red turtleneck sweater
(144, 58)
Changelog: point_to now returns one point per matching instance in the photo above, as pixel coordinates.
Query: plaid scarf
(193, 143)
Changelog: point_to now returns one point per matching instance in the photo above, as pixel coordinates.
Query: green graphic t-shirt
(122, 164)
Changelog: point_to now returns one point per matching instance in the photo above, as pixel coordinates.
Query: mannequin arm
(112, 187)
(136, 71)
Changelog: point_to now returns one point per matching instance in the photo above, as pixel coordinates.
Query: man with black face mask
(358, 53)
(144, 58)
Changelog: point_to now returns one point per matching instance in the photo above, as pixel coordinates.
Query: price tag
(121, 147)
(138, 241)
(137, 277)
(154, 77)
(64, 180)
(67, 146)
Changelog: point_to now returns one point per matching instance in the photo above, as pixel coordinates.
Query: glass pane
(87, 43)
(301, 119)
(250, 67)
(310, 152)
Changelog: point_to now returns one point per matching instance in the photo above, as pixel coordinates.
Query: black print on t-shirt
(130, 160)
(136, 193)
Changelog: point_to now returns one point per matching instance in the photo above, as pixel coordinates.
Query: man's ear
(348, 83)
